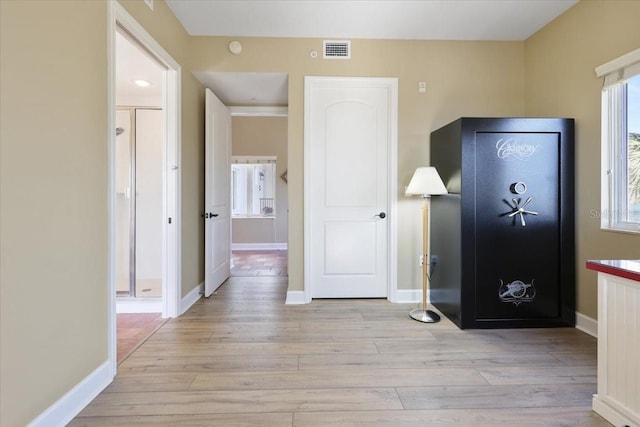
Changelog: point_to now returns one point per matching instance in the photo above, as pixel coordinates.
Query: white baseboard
(400, 296)
(258, 246)
(406, 296)
(139, 305)
(296, 297)
(70, 405)
(191, 298)
(586, 324)
(613, 412)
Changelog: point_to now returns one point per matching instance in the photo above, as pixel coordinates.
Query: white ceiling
(132, 63)
(369, 19)
(247, 89)
(340, 19)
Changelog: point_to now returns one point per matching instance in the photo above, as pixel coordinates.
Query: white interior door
(349, 129)
(217, 193)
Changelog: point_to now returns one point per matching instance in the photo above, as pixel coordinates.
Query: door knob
(212, 215)
(382, 215)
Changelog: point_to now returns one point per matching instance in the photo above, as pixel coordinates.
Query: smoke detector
(235, 47)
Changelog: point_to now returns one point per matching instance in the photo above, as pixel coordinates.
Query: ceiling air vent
(337, 49)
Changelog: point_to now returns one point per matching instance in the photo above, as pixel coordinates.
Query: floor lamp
(425, 182)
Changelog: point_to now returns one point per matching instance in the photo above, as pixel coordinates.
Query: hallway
(259, 263)
(244, 358)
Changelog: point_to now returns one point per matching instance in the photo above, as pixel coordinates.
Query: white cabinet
(618, 397)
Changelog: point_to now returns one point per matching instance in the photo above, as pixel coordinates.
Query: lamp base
(425, 316)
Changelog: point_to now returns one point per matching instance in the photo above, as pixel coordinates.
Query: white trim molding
(587, 324)
(139, 305)
(76, 399)
(297, 297)
(191, 298)
(406, 296)
(259, 246)
(259, 111)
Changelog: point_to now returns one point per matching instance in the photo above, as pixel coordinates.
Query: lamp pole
(425, 315)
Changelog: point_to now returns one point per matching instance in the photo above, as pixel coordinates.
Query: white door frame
(171, 236)
(392, 173)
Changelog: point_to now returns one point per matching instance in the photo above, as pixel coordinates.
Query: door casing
(120, 19)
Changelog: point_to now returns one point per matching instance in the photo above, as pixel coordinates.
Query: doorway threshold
(139, 305)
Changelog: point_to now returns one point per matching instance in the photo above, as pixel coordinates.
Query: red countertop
(627, 268)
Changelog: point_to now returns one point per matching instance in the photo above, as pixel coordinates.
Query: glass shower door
(139, 166)
(149, 144)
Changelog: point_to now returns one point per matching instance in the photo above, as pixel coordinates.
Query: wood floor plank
(509, 375)
(162, 364)
(286, 316)
(373, 378)
(506, 397)
(242, 402)
(263, 348)
(206, 325)
(537, 346)
(575, 358)
(199, 420)
(417, 359)
(511, 417)
(133, 382)
(249, 335)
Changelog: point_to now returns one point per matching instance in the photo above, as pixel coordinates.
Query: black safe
(503, 239)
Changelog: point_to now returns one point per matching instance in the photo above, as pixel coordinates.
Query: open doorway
(258, 105)
(259, 195)
(144, 261)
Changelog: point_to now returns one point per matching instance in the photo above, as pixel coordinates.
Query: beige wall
(463, 78)
(262, 136)
(53, 177)
(560, 81)
(54, 203)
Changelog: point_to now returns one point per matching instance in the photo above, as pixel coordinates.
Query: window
(621, 143)
(253, 187)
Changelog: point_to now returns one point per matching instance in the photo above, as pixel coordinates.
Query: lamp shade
(425, 182)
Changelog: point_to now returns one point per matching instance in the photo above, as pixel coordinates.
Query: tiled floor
(134, 329)
(259, 263)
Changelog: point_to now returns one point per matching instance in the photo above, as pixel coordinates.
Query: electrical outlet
(421, 260)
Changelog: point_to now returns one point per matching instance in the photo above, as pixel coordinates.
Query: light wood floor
(259, 263)
(243, 358)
